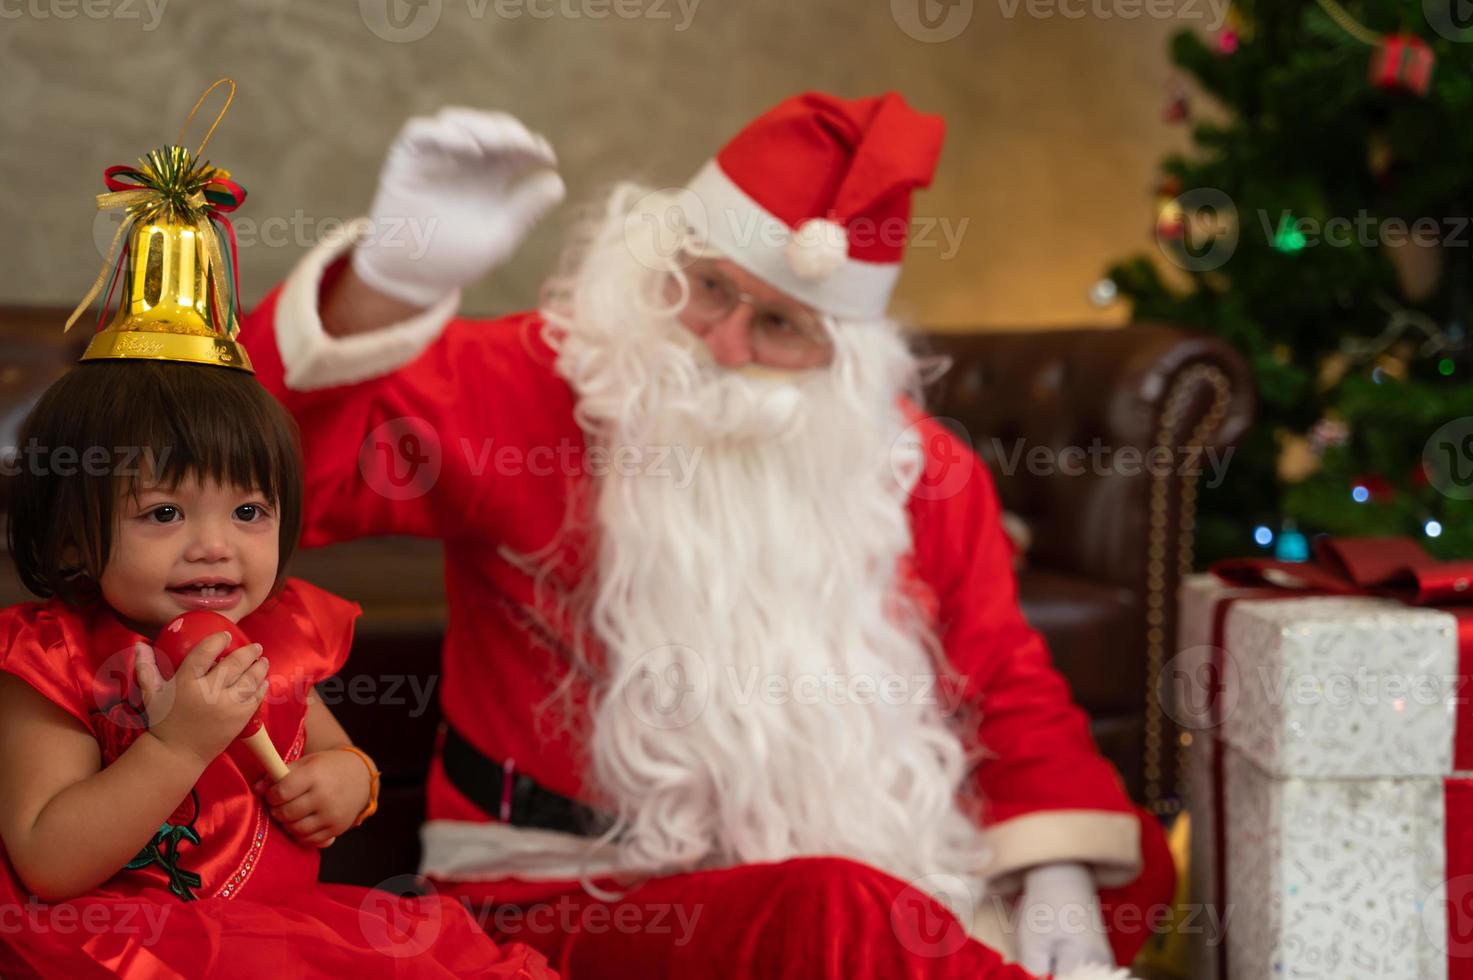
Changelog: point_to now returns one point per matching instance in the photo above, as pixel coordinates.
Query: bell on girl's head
(175, 273)
(165, 311)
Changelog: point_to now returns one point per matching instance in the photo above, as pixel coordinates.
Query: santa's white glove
(1059, 923)
(457, 194)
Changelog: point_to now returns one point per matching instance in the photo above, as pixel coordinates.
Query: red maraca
(183, 634)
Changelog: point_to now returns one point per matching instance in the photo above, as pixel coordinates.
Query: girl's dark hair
(107, 427)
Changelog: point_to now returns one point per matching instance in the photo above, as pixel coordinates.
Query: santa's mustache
(739, 405)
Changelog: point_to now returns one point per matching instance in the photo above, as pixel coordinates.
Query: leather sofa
(1111, 539)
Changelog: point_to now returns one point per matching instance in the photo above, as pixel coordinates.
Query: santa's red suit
(473, 442)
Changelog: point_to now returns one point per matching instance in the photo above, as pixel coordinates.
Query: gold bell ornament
(177, 267)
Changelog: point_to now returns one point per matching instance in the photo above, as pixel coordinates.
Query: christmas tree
(1321, 225)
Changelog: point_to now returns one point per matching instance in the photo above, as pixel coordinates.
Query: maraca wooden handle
(264, 750)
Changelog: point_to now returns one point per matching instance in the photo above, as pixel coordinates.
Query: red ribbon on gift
(1395, 568)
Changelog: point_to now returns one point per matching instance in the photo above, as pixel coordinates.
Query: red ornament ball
(184, 633)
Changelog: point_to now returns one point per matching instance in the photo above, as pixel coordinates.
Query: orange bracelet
(372, 806)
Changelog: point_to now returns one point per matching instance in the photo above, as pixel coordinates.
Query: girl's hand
(320, 797)
(205, 705)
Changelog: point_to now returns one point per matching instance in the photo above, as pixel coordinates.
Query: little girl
(137, 840)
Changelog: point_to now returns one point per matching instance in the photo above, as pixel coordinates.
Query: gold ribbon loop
(221, 115)
(148, 203)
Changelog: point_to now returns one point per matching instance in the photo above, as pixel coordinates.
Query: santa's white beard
(767, 690)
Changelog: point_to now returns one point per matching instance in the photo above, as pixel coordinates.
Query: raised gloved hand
(457, 194)
(1060, 928)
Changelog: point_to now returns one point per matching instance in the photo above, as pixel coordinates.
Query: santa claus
(735, 679)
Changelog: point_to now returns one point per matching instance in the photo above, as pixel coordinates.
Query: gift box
(1402, 62)
(1328, 769)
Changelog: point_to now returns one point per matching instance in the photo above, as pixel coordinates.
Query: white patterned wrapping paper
(1341, 688)
(1339, 714)
(1325, 687)
(1331, 879)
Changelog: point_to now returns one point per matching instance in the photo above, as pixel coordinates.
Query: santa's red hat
(813, 197)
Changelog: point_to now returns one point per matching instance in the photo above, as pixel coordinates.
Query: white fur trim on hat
(312, 358)
(745, 232)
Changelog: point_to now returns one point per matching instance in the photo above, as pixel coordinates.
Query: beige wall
(1054, 121)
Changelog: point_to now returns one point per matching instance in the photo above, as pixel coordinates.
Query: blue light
(1359, 494)
(1292, 546)
(1263, 535)
(1433, 528)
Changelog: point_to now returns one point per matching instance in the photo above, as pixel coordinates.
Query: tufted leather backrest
(1038, 404)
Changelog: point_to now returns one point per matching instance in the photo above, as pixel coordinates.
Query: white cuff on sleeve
(312, 359)
(1107, 841)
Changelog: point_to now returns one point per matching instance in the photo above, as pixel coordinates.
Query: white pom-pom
(817, 248)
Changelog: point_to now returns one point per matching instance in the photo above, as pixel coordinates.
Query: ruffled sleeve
(34, 646)
(325, 626)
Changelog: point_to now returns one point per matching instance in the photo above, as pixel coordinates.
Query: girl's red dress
(221, 890)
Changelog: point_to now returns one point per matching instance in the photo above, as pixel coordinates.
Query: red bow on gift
(1397, 568)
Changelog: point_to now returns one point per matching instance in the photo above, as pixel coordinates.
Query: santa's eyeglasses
(784, 334)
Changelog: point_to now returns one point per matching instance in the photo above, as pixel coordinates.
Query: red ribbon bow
(221, 195)
(1397, 568)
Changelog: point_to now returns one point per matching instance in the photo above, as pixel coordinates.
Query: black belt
(514, 797)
